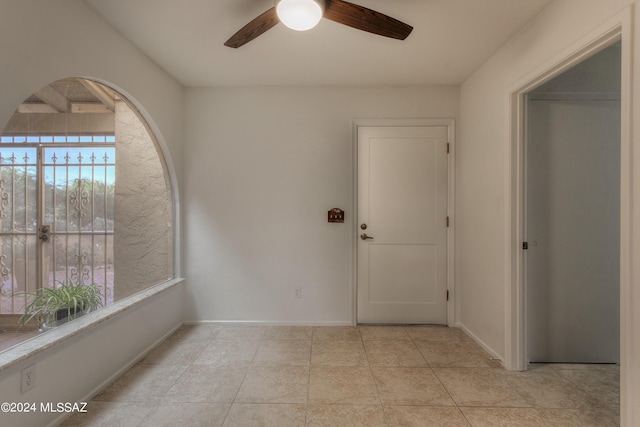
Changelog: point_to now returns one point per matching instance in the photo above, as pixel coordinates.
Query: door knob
(364, 236)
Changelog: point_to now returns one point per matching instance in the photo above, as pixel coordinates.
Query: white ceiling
(451, 38)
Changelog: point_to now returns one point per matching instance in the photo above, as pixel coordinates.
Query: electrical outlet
(297, 292)
(28, 379)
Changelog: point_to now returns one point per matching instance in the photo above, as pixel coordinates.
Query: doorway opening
(618, 30)
(572, 214)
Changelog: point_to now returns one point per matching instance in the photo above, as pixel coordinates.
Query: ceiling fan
(302, 15)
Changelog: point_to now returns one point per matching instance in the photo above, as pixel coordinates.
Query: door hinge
(525, 245)
(447, 222)
(447, 148)
(447, 295)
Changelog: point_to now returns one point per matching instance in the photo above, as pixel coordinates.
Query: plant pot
(60, 304)
(63, 315)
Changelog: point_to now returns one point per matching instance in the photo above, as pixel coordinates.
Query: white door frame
(617, 28)
(450, 124)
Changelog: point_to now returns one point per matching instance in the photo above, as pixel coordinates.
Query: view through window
(73, 177)
(85, 200)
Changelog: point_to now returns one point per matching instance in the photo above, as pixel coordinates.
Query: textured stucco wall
(143, 215)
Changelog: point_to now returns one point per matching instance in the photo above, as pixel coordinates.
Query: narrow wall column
(143, 217)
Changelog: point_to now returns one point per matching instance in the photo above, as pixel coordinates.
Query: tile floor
(346, 376)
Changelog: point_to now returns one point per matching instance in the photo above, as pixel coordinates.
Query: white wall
(46, 40)
(482, 187)
(262, 167)
(482, 158)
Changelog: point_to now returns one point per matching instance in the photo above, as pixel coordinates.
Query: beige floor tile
(253, 415)
(288, 333)
(584, 366)
(201, 332)
(540, 367)
(432, 333)
(228, 352)
(142, 383)
(345, 385)
(242, 332)
(338, 333)
(347, 376)
(592, 377)
(601, 386)
(345, 415)
(176, 352)
(108, 414)
(478, 387)
(393, 353)
(338, 353)
(274, 384)
(207, 383)
(379, 333)
(283, 353)
(546, 389)
(425, 416)
(187, 414)
(504, 417)
(585, 417)
(410, 386)
(453, 354)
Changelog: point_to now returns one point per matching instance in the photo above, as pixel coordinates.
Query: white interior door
(402, 224)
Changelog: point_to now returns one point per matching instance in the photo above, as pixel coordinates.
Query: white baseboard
(481, 343)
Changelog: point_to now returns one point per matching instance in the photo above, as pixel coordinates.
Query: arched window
(84, 198)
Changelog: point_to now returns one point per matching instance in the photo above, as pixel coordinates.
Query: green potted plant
(55, 306)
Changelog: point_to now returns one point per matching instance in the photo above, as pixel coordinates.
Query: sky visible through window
(85, 160)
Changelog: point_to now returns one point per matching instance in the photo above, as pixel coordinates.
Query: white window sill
(60, 334)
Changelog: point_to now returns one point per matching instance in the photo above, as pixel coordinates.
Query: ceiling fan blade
(366, 19)
(253, 29)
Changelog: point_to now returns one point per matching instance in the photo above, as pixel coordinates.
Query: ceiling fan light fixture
(300, 15)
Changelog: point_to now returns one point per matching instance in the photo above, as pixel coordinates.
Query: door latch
(364, 236)
(43, 232)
